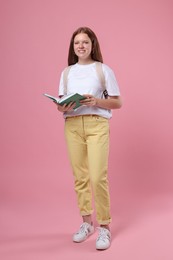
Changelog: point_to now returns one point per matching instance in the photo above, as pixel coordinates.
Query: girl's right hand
(65, 107)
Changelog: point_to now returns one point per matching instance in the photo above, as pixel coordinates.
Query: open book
(74, 97)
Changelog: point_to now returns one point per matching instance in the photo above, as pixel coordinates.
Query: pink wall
(136, 41)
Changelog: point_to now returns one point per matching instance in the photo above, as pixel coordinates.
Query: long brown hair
(95, 53)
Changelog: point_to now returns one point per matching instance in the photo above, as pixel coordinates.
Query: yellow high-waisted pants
(87, 139)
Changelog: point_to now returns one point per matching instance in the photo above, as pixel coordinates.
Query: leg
(77, 149)
(98, 151)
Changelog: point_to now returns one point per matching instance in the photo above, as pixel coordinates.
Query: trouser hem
(86, 213)
(105, 222)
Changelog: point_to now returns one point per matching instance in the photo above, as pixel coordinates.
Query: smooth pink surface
(38, 211)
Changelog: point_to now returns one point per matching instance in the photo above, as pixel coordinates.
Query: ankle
(105, 226)
(89, 222)
(87, 219)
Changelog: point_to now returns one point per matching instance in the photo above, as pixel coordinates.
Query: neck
(85, 62)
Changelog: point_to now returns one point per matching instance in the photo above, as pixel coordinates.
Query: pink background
(38, 211)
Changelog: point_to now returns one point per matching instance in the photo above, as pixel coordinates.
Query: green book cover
(74, 97)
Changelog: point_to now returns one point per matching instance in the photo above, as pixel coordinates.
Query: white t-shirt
(83, 79)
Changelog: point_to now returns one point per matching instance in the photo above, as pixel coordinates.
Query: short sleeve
(112, 86)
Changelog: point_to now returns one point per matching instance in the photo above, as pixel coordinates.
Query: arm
(113, 102)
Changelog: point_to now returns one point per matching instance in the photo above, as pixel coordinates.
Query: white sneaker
(85, 230)
(104, 239)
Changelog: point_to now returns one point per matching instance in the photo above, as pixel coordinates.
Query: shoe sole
(102, 249)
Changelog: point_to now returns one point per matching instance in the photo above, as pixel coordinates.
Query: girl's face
(82, 48)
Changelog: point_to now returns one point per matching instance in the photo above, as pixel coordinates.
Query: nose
(80, 45)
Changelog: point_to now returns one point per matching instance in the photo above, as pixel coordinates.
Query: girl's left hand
(89, 101)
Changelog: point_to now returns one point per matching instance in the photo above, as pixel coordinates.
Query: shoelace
(83, 229)
(103, 234)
